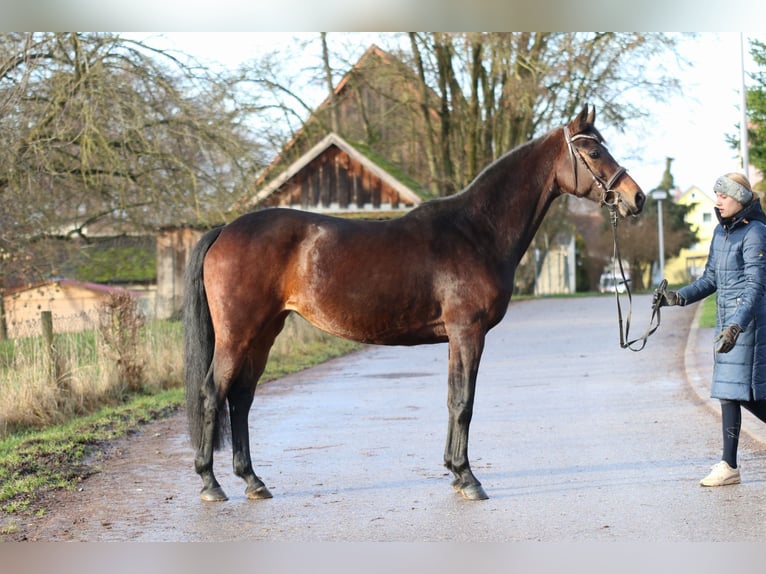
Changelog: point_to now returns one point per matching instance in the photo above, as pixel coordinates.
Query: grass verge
(707, 316)
(36, 463)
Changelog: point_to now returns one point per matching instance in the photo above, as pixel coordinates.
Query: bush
(120, 326)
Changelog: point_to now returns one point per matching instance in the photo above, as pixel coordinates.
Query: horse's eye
(595, 154)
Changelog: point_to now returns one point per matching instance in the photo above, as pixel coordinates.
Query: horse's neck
(513, 201)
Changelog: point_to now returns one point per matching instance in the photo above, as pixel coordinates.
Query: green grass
(707, 316)
(60, 457)
(56, 456)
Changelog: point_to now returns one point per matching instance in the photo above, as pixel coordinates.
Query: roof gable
(377, 101)
(347, 178)
(695, 195)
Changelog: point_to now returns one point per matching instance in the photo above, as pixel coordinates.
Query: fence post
(46, 318)
(3, 326)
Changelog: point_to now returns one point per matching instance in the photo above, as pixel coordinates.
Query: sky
(691, 127)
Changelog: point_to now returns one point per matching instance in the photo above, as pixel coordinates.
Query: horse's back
(396, 281)
(359, 279)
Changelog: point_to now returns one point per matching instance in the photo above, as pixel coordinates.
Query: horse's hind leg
(221, 376)
(203, 461)
(240, 400)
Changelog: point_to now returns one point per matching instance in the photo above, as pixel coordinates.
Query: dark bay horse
(441, 273)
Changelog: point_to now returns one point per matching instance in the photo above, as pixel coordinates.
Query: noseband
(609, 197)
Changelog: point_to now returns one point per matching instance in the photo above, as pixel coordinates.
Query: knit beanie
(727, 186)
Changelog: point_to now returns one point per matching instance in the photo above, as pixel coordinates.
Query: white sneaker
(720, 475)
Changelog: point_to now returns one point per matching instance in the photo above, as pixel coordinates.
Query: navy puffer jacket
(736, 270)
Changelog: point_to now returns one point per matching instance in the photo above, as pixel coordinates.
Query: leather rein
(611, 198)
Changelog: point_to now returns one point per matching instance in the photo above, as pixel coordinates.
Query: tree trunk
(429, 135)
(334, 123)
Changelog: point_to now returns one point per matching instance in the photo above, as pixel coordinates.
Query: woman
(736, 270)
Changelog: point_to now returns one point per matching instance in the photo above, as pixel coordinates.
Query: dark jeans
(731, 423)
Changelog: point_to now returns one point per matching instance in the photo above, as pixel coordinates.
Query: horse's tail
(199, 343)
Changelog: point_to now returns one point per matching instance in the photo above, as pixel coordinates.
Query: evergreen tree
(756, 111)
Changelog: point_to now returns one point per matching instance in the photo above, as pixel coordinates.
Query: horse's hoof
(258, 493)
(213, 494)
(473, 492)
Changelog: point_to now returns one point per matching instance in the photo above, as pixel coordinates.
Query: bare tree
(98, 130)
(498, 90)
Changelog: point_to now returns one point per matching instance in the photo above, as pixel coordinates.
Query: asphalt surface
(573, 438)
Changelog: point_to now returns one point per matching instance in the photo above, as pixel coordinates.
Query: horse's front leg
(464, 356)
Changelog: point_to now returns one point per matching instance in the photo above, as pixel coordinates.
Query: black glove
(727, 338)
(665, 298)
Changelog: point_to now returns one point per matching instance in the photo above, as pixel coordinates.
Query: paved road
(573, 438)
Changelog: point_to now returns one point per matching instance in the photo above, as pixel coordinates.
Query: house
(74, 305)
(335, 176)
(690, 263)
(376, 106)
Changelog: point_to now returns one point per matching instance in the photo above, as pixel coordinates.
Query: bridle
(611, 198)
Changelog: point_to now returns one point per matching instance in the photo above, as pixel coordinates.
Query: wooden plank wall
(335, 180)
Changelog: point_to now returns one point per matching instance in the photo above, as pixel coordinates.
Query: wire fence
(70, 365)
(32, 327)
(24, 320)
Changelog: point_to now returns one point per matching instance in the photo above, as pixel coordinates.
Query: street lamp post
(659, 195)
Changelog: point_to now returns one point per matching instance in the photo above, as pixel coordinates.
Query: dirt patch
(67, 505)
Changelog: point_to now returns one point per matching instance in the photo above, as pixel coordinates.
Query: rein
(610, 199)
(625, 342)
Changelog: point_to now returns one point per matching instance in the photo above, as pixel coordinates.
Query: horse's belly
(374, 323)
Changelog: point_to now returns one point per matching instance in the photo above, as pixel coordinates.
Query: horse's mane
(449, 203)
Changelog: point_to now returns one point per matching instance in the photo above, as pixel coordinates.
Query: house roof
(372, 51)
(333, 139)
(64, 282)
(695, 194)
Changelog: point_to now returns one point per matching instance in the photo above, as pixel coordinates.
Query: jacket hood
(752, 211)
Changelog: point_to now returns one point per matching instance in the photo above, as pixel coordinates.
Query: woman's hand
(664, 298)
(727, 338)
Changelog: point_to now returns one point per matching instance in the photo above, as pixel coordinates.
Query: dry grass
(45, 382)
(120, 357)
(38, 389)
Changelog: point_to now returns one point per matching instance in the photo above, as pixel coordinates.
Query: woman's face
(727, 205)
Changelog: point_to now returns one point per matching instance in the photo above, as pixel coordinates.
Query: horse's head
(590, 170)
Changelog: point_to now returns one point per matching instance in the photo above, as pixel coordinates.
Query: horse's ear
(591, 115)
(582, 121)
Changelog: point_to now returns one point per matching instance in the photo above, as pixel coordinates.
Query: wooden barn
(377, 107)
(174, 246)
(349, 159)
(335, 176)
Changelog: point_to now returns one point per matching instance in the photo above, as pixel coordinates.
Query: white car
(607, 284)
